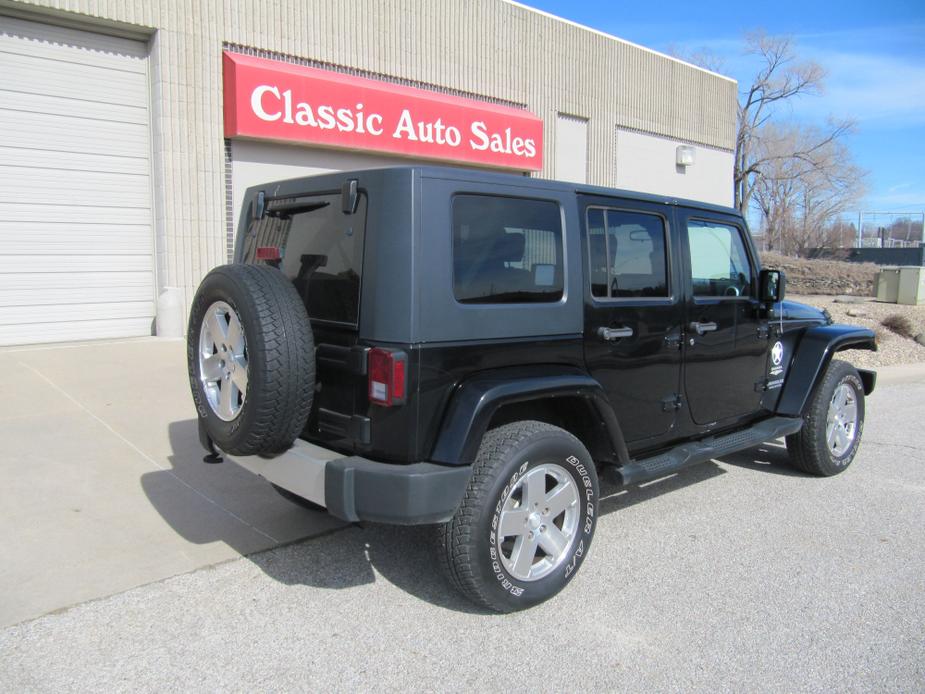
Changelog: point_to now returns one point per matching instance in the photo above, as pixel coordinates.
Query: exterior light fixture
(684, 155)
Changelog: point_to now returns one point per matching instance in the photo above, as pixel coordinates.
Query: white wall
(571, 149)
(646, 163)
(262, 162)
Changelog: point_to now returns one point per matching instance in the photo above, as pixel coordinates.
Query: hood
(794, 310)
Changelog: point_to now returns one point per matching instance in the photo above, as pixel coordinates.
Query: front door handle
(611, 334)
(702, 328)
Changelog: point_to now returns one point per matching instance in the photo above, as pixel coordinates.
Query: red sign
(273, 100)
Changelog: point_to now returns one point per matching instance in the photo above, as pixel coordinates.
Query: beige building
(121, 166)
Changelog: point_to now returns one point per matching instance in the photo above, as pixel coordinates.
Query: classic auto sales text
(269, 104)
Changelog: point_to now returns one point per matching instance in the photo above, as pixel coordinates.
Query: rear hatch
(317, 239)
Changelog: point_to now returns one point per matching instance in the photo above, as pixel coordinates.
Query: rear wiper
(284, 207)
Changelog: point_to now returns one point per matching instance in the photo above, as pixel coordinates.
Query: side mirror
(771, 285)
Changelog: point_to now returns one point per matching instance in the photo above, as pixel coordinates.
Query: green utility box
(912, 285)
(888, 285)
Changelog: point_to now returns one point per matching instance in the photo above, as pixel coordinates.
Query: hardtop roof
(480, 176)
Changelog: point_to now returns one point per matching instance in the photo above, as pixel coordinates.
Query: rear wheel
(251, 359)
(833, 423)
(526, 522)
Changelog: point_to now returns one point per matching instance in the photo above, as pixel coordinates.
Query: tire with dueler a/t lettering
(250, 355)
(527, 519)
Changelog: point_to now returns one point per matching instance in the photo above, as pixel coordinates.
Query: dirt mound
(892, 347)
(822, 276)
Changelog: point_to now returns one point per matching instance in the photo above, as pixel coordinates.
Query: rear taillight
(387, 376)
(268, 253)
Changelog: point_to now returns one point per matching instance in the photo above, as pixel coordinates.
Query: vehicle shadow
(339, 557)
(325, 554)
(362, 553)
(771, 457)
(616, 498)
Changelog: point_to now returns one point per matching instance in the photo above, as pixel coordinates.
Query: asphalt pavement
(735, 575)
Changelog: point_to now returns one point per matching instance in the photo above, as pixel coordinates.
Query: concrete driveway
(735, 575)
(102, 487)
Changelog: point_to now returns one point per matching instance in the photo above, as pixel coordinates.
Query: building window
(506, 250)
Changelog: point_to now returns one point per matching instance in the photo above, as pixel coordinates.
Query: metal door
(633, 313)
(726, 342)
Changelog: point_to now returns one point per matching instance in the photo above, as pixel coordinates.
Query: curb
(900, 373)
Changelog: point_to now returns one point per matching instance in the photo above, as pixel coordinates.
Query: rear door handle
(701, 328)
(611, 334)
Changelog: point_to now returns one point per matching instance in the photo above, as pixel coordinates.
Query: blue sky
(873, 53)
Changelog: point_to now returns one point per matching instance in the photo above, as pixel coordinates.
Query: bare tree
(780, 77)
(802, 196)
(702, 57)
(800, 178)
(773, 192)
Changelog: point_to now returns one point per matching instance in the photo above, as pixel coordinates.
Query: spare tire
(251, 359)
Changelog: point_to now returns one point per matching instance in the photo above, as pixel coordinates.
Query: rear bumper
(355, 489)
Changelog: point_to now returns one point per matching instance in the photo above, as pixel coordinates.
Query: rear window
(321, 248)
(506, 250)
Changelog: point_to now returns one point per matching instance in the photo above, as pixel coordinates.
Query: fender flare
(477, 399)
(813, 354)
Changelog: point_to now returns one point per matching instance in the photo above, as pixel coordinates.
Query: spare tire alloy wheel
(251, 359)
(223, 360)
(527, 520)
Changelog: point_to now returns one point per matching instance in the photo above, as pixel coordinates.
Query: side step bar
(694, 452)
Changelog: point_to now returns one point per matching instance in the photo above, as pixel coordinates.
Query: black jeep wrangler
(424, 345)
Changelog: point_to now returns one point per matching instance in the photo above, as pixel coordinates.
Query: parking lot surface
(102, 485)
(734, 575)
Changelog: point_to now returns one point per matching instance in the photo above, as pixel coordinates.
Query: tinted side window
(600, 258)
(506, 250)
(628, 254)
(719, 262)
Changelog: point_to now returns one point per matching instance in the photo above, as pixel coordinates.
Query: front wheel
(833, 423)
(526, 522)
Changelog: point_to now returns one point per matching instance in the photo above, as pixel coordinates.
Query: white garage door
(76, 239)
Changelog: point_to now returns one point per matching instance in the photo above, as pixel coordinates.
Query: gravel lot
(892, 349)
(736, 575)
